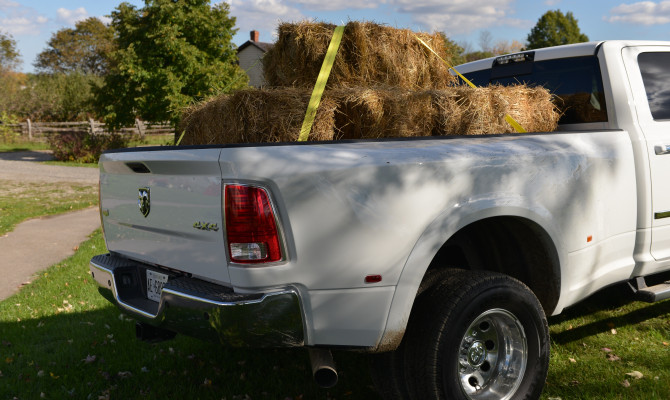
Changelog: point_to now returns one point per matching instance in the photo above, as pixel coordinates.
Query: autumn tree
(86, 49)
(506, 47)
(555, 28)
(169, 54)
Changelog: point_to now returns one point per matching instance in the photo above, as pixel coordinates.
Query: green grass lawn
(23, 145)
(23, 200)
(59, 337)
(600, 346)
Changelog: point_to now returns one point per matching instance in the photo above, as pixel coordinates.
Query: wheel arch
(450, 243)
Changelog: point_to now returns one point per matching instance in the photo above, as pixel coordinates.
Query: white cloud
(452, 17)
(70, 17)
(551, 3)
(321, 5)
(460, 16)
(20, 20)
(641, 13)
(7, 3)
(262, 15)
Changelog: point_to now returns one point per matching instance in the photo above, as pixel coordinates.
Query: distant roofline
(262, 46)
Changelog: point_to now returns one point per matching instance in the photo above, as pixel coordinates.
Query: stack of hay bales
(383, 83)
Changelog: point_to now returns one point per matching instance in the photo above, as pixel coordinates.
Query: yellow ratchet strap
(517, 126)
(320, 85)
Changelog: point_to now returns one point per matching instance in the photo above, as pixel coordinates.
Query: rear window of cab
(575, 83)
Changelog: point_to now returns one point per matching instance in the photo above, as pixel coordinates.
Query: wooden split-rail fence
(39, 130)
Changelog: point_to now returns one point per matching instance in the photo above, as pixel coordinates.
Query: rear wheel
(476, 336)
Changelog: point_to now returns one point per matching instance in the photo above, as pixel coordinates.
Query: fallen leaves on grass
(610, 356)
(635, 374)
(89, 359)
(625, 383)
(125, 374)
(67, 307)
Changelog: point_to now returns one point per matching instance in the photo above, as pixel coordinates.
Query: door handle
(660, 150)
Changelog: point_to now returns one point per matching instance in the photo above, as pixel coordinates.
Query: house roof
(264, 47)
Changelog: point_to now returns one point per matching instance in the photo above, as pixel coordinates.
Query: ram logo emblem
(144, 201)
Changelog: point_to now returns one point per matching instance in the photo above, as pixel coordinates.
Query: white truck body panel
(385, 207)
(166, 236)
(657, 134)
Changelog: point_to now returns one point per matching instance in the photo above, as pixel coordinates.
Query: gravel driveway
(21, 166)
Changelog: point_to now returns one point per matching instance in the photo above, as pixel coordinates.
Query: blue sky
(32, 22)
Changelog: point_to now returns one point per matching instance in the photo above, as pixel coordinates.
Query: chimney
(254, 36)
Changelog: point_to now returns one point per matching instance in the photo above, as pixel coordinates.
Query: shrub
(84, 146)
(7, 133)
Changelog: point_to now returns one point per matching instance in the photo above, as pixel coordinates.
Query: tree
(555, 28)
(170, 53)
(453, 50)
(10, 58)
(485, 39)
(55, 97)
(86, 49)
(477, 55)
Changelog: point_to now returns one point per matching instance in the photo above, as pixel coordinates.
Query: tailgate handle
(660, 150)
(138, 167)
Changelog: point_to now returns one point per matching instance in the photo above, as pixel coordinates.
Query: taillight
(251, 227)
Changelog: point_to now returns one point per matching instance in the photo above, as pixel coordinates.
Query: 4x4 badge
(144, 201)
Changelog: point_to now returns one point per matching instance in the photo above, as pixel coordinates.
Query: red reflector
(250, 225)
(373, 278)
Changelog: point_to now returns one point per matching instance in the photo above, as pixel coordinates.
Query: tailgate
(163, 207)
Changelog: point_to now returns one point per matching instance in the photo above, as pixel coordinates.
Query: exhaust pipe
(323, 367)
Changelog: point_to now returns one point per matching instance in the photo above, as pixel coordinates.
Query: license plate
(155, 282)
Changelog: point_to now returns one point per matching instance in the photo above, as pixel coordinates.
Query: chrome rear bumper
(201, 309)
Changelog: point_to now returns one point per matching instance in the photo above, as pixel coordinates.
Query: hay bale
(382, 113)
(464, 110)
(369, 55)
(276, 115)
(255, 116)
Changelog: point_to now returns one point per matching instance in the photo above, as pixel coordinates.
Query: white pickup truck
(442, 254)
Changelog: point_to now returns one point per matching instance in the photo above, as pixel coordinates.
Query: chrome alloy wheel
(492, 356)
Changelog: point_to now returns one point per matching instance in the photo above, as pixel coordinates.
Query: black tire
(459, 334)
(388, 369)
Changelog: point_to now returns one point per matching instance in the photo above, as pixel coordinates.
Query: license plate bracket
(155, 283)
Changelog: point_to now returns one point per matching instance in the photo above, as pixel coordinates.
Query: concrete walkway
(37, 244)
